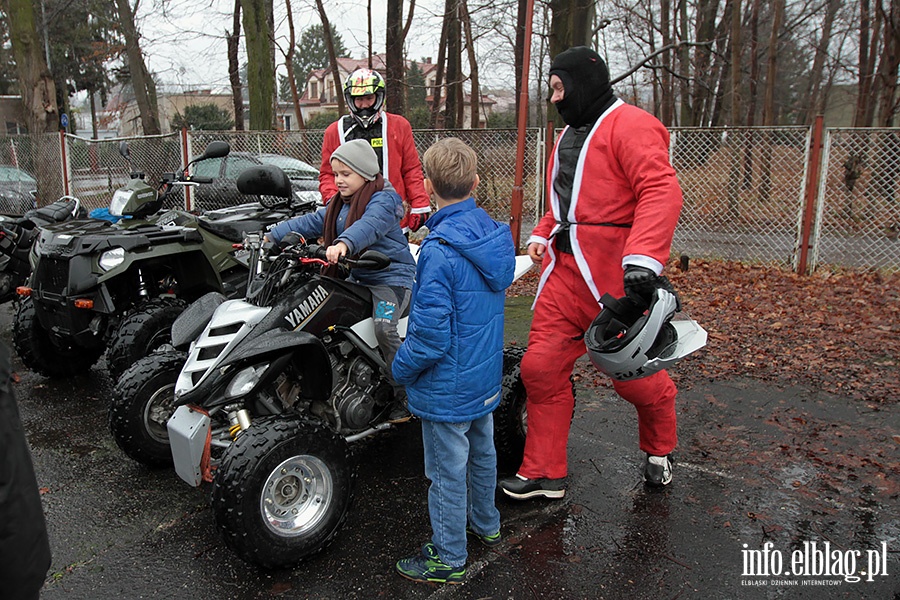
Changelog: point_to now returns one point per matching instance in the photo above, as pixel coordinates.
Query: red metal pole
(515, 219)
(812, 188)
(188, 193)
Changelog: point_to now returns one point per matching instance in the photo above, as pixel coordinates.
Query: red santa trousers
(563, 313)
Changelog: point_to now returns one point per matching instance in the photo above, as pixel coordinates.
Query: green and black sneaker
(428, 567)
(488, 540)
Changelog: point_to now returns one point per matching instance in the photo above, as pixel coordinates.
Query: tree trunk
(233, 39)
(393, 59)
(144, 87)
(475, 95)
(734, 173)
(772, 65)
(519, 51)
(769, 117)
(706, 32)
(436, 122)
(454, 60)
(289, 64)
(260, 66)
(570, 25)
(889, 63)
(667, 97)
(332, 58)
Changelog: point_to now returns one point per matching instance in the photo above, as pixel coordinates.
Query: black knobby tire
(146, 328)
(142, 402)
(45, 354)
(511, 416)
(285, 470)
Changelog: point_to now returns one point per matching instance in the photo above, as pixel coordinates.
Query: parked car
(223, 192)
(18, 190)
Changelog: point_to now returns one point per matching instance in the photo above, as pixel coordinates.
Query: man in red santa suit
(390, 136)
(615, 201)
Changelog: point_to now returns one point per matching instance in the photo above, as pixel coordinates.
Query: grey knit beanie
(359, 156)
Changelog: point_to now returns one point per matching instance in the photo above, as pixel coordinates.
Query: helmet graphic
(625, 342)
(364, 82)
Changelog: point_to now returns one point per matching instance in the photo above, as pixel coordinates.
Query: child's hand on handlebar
(334, 252)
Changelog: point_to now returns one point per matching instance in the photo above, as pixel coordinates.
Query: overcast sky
(183, 40)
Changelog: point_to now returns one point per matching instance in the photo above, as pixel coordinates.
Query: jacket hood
(484, 242)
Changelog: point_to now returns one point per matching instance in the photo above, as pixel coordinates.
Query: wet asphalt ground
(763, 472)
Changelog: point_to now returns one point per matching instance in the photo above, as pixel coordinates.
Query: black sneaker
(520, 488)
(427, 566)
(490, 541)
(657, 470)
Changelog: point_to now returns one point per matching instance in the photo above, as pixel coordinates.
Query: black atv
(97, 285)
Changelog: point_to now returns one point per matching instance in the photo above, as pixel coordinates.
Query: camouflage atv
(98, 286)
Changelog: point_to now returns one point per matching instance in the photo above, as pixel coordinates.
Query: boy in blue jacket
(452, 361)
(365, 215)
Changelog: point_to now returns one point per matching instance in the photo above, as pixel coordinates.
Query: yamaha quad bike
(17, 234)
(98, 285)
(264, 398)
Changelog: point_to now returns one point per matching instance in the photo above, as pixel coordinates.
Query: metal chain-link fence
(744, 188)
(858, 208)
(743, 192)
(97, 168)
(30, 173)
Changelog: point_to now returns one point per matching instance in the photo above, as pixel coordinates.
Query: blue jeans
(461, 462)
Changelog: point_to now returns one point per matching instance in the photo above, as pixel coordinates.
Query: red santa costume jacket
(401, 164)
(625, 200)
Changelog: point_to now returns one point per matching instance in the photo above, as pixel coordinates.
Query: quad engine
(353, 397)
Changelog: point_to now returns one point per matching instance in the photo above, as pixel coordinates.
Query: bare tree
(475, 93)
(289, 64)
(332, 57)
(233, 39)
(35, 82)
(258, 36)
(888, 65)
(143, 84)
(815, 96)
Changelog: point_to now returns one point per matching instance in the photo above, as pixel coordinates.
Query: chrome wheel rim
(157, 411)
(296, 495)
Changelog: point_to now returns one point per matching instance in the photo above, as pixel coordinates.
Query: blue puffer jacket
(452, 359)
(377, 229)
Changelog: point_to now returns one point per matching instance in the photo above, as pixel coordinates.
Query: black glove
(640, 284)
(416, 220)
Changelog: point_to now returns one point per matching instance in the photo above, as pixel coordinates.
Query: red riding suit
(624, 207)
(391, 138)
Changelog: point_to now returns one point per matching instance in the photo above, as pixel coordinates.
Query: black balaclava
(585, 79)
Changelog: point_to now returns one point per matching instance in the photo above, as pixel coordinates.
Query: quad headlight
(245, 381)
(112, 258)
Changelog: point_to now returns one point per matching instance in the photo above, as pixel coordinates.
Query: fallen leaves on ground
(833, 331)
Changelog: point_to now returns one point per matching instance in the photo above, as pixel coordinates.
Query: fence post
(812, 186)
(185, 157)
(64, 162)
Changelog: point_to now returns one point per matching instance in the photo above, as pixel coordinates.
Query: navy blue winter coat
(452, 359)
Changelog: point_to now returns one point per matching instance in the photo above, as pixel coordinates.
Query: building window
(287, 122)
(314, 89)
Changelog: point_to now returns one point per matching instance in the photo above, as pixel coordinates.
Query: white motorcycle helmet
(626, 342)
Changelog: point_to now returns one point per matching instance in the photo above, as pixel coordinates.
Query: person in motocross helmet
(452, 362)
(364, 214)
(614, 204)
(390, 135)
